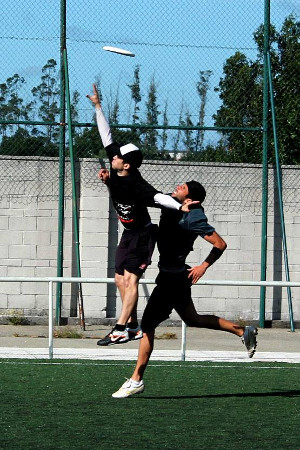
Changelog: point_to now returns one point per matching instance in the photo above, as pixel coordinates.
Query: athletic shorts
(135, 250)
(172, 291)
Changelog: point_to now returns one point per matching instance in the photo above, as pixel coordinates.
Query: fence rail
(51, 280)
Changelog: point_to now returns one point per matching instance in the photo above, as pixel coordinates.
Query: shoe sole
(120, 341)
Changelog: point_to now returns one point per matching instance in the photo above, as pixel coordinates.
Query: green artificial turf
(68, 405)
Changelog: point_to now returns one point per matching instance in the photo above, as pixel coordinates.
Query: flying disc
(121, 51)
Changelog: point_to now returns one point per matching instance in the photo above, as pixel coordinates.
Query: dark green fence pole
(279, 187)
(61, 176)
(74, 192)
(264, 217)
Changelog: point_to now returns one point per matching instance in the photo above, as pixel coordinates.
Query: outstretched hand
(95, 97)
(186, 207)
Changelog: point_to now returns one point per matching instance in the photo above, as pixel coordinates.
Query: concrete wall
(28, 243)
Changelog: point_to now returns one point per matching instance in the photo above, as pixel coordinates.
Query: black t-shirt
(177, 234)
(130, 195)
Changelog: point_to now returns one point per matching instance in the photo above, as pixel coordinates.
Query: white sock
(136, 383)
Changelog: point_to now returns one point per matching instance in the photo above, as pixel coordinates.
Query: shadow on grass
(287, 393)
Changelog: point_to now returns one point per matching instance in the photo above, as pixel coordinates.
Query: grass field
(68, 405)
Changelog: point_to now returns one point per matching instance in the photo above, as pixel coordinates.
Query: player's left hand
(186, 207)
(196, 272)
(103, 174)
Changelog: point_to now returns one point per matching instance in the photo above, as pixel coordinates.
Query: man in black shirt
(176, 236)
(131, 195)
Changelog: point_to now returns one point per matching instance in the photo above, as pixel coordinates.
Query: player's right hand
(95, 97)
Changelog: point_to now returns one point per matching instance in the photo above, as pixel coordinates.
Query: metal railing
(51, 280)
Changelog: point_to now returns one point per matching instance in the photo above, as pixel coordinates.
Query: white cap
(128, 148)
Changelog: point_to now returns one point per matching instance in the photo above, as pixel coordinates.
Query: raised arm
(103, 126)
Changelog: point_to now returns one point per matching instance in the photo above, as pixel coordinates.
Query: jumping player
(131, 195)
(176, 236)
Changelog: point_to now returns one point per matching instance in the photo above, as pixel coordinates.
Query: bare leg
(119, 281)
(128, 288)
(193, 319)
(145, 350)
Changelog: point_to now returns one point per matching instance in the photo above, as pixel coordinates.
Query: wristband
(214, 255)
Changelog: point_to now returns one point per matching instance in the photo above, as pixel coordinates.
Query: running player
(176, 236)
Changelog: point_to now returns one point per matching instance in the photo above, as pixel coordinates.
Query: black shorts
(135, 250)
(172, 291)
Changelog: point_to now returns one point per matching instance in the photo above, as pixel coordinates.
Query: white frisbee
(121, 51)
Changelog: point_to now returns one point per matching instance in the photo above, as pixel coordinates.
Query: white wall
(28, 243)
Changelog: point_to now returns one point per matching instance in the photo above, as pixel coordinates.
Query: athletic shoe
(129, 388)
(114, 337)
(134, 333)
(249, 340)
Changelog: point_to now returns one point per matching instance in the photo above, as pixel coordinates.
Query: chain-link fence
(192, 92)
(233, 187)
(196, 76)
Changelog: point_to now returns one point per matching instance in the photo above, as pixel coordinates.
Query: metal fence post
(50, 290)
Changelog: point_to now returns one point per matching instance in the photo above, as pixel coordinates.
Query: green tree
(47, 95)
(184, 139)
(241, 92)
(211, 153)
(287, 90)
(74, 105)
(12, 107)
(202, 87)
(23, 144)
(88, 144)
(151, 134)
(164, 136)
(241, 95)
(188, 139)
(3, 107)
(177, 137)
(114, 107)
(136, 97)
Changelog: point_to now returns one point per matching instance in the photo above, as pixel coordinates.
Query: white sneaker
(129, 388)
(134, 333)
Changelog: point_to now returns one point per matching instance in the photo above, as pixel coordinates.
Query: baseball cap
(131, 154)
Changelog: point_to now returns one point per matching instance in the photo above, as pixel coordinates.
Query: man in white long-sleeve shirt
(131, 195)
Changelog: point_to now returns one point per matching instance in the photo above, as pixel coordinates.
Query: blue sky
(172, 40)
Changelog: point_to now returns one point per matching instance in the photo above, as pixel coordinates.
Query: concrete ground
(269, 340)
(273, 344)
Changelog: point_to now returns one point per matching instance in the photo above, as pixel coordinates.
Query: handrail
(149, 281)
(51, 280)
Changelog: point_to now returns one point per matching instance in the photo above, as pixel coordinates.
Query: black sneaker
(114, 337)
